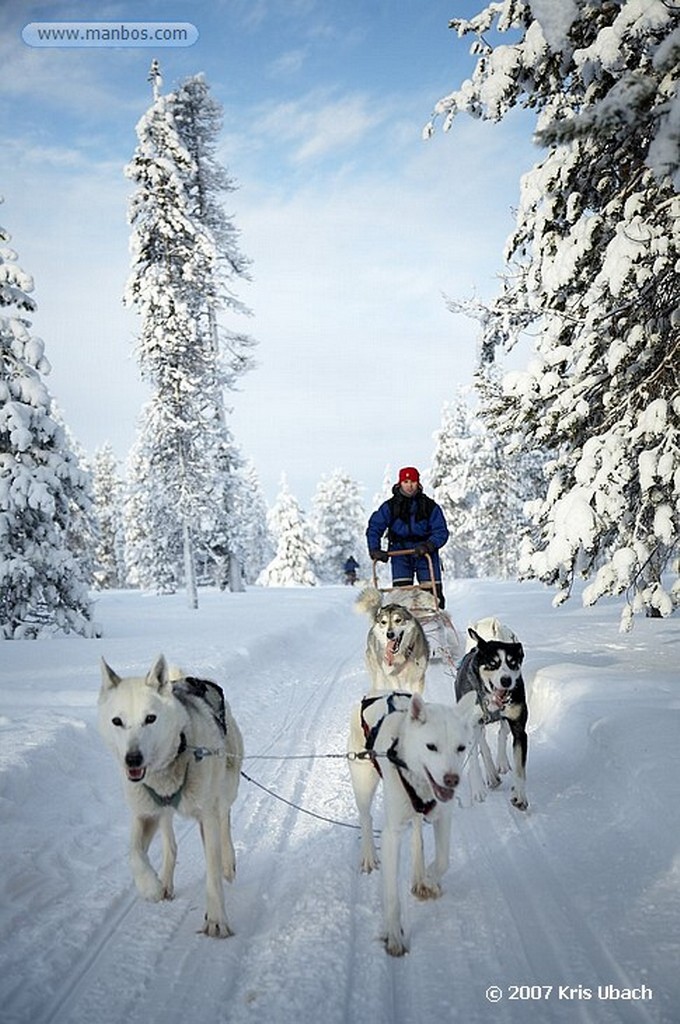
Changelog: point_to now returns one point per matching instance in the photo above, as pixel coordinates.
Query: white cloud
(289, 63)
(318, 125)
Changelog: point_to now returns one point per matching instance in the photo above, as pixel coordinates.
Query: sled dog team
(180, 750)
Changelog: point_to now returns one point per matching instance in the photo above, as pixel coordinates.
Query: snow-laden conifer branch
(593, 276)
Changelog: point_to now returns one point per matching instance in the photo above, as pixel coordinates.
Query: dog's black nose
(506, 682)
(390, 634)
(134, 759)
(451, 780)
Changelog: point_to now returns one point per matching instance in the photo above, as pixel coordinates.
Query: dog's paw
(395, 945)
(519, 801)
(153, 890)
(216, 929)
(368, 864)
(426, 890)
(167, 887)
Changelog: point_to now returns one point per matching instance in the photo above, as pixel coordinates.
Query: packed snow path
(550, 907)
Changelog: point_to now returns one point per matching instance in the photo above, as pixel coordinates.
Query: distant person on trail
(350, 569)
(411, 520)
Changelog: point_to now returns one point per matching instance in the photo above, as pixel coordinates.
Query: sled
(422, 601)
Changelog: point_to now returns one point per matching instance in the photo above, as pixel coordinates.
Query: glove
(379, 555)
(422, 549)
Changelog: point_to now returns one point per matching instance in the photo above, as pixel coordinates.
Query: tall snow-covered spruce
(109, 549)
(184, 259)
(43, 490)
(592, 274)
(293, 563)
(339, 524)
(453, 485)
(482, 491)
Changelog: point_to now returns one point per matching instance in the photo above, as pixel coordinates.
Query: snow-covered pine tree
(293, 563)
(154, 537)
(454, 486)
(108, 490)
(593, 272)
(43, 588)
(382, 570)
(339, 524)
(385, 491)
(510, 475)
(81, 535)
(497, 514)
(252, 545)
(198, 118)
(171, 258)
(176, 283)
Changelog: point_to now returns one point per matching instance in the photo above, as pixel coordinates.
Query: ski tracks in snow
(307, 923)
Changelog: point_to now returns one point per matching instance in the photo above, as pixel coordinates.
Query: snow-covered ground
(552, 906)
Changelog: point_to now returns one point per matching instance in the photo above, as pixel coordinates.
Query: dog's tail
(368, 602)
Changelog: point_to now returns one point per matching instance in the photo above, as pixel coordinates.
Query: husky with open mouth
(492, 669)
(179, 749)
(397, 651)
(418, 749)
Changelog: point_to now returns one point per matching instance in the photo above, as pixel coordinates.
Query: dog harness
(173, 799)
(212, 694)
(391, 700)
(185, 690)
(423, 807)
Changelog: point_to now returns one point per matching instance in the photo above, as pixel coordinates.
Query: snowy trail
(561, 896)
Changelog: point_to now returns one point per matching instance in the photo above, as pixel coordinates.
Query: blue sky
(356, 227)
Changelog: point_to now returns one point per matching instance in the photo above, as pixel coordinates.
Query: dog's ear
(418, 709)
(479, 640)
(109, 677)
(158, 676)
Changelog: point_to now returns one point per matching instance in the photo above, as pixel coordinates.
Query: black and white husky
(179, 749)
(492, 669)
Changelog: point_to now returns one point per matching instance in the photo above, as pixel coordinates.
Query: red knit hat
(409, 473)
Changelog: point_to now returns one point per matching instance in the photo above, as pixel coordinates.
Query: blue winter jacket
(408, 522)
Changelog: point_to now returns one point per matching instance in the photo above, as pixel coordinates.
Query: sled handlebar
(403, 551)
(431, 585)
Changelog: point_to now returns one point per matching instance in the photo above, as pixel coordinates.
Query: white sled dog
(492, 670)
(397, 651)
(179, 749)
(418, 750)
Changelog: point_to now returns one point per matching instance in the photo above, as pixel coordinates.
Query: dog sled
(422, 601)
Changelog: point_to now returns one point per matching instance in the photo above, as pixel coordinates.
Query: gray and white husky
(397, 651)
(179, 749)
(492, 669)
(418, 750)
